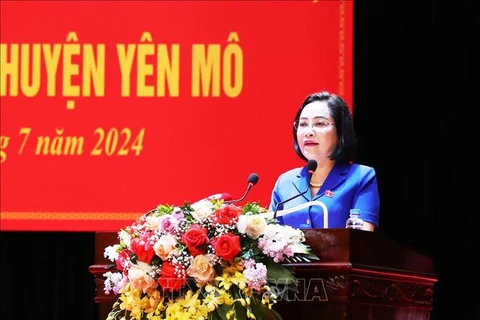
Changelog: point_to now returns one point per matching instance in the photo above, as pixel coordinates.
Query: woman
(323, 131)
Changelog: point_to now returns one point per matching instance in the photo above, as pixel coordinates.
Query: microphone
(311, 167)
(252, 180)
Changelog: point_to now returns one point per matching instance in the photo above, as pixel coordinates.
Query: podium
(361, 275)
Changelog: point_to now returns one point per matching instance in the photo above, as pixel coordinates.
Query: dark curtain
(44, 276)
(415, 105)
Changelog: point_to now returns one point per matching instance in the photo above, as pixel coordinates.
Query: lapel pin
(328, 193)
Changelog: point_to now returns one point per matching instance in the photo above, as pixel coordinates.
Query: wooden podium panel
(361, 275)
(102, 265)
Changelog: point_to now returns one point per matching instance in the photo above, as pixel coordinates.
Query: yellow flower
(230, 313)
(228, 299)
(250, 314)
(224, 298)
(239, 279)
(209, 288)
(225, 281)
(242, 301)
(152, 302)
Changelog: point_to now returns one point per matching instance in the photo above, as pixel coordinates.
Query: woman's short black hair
(346, 148)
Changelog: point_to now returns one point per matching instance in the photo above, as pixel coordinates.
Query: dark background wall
(416, 102)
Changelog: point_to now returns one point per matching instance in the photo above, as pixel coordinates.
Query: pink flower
(122, 259)
(168, 223)
(256, 274)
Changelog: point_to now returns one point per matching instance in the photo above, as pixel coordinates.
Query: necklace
(315, 185)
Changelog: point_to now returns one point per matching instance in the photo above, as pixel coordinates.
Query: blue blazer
(346, 187)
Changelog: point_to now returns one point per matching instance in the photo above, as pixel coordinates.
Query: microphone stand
(252, 180)
(305, 205)
(311, 167)
(281, 203)
(250, 185)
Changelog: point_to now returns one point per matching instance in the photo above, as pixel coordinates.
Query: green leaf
(222, 311)
(240, 313)
(262, 311)
(164, 209)
(252, 208)
(235, 292)
(279, 273)
(311, 256)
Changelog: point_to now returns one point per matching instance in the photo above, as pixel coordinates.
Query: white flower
(202, 209)
(281, 241)
(299, 248)
(111, 252)
(252, 225)
(114, 282)
(242, 223)
(125, 237)
(152, 222)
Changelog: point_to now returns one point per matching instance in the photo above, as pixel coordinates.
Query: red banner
(111, 108)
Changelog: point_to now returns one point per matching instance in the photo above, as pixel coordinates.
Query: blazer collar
(336, 176)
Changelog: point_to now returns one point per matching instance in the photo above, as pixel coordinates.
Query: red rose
(169, 279)
(228, 214)
(142, 249)
(196, 239)
(227, 246)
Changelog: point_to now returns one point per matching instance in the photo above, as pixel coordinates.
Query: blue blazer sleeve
(366, 198)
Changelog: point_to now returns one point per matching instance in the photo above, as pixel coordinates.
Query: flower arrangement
(207, 260)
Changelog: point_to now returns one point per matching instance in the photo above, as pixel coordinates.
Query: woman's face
(316, 133)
